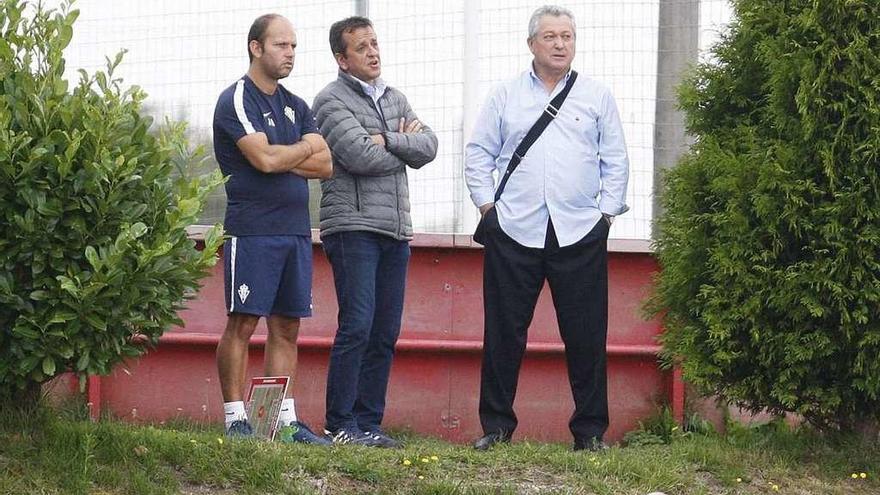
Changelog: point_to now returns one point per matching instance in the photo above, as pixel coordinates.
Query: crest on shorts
(243, 292)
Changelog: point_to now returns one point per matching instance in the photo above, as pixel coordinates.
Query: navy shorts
(269, 275)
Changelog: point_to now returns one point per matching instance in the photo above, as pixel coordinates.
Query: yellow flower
(421, 477)
(220, 440)
(193, 441)
(425, 459)
(863, 475)
(854, 476)
(407, 462)
(739, 480)
(435, 458)
(776, 488)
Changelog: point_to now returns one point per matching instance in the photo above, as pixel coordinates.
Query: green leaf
(60, 87)
(68, 285)
(72, 16)
(189, 207)
(92, 257)
(48, 366)
(63, 317)
(26, 332)
(82, 364)
(39, 295)
(138, 229)
(13, 12)
(5, 50)
(65, 351)
(95, 321)
(50, 209)
(28, 364)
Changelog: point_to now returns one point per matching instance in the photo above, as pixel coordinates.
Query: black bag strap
(534, 133)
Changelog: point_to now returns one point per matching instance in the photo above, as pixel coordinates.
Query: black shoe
(592, 444)
(240, 428)
(489, 440)
(383, 440)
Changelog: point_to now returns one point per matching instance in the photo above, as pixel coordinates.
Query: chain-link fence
(443, 54)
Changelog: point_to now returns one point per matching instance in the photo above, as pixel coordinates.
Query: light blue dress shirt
(576, 171)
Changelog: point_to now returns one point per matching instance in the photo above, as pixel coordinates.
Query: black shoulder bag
(534, 133)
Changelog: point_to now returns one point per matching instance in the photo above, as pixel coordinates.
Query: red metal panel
(677, 395)
(434, 384)
(93, 387)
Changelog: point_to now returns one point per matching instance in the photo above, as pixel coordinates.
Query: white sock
(288, 413)
(234, 412)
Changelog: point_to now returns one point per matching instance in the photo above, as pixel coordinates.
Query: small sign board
(264, 404)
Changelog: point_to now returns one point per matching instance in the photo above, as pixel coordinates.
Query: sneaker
(352, 436)
(240, 428)
(383, 440)
(298, 432)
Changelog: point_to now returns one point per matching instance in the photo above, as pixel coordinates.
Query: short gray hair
(552, 10)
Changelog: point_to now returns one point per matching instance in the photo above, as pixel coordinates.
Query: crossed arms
(362, 153)
(308, 158)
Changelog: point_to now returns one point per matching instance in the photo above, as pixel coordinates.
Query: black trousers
(513, 276)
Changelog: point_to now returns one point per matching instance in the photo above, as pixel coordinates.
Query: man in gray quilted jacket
(366, 226)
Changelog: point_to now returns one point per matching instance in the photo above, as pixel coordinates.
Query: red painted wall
(435, 378)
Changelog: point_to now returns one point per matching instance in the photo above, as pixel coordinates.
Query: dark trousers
(513, 276)
(369, 271)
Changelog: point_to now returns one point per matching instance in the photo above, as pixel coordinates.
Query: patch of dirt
(188, 488)
(320, 485)
(526, 482)
(708, 480)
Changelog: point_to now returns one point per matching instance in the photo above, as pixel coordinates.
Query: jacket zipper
(378, 107)
(357, 188)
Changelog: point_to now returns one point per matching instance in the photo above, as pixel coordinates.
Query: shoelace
(343, 437)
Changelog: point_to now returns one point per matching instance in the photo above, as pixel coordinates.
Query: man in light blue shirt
(551, 223)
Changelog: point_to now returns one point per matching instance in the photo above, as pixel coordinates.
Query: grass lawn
(57, 451)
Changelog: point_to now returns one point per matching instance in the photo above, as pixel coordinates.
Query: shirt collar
(537, 80)
(375, 90)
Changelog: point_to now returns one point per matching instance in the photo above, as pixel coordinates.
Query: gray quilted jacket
(369, 189)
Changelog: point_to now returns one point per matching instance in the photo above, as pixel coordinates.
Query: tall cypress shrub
(770, 238)
(95, 260)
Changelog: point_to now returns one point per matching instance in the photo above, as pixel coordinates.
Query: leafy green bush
(770, 240)
(94, 256)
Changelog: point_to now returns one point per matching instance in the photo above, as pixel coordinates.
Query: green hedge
(94, 257)
(770, 240)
